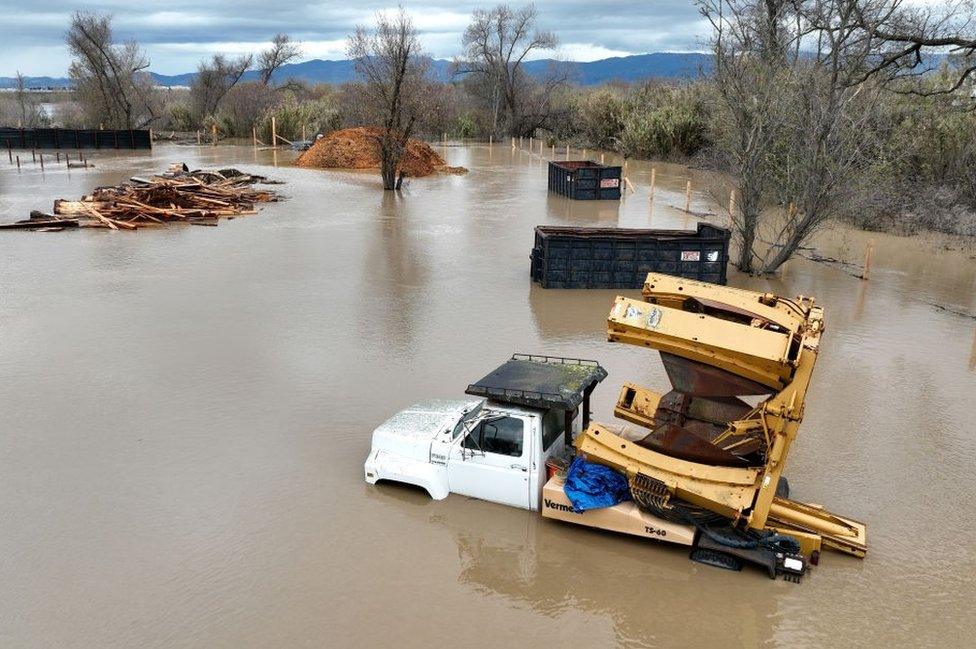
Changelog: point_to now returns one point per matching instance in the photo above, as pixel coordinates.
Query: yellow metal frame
(770, 340)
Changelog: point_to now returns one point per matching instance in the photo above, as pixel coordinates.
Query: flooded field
(184, 413)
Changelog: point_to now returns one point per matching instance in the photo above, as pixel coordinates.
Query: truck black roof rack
(540, 381)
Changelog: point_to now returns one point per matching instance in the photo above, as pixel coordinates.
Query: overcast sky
(177, 33)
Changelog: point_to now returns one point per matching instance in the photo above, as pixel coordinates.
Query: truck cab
(493, 445)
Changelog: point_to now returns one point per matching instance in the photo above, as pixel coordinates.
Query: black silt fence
(65, 138)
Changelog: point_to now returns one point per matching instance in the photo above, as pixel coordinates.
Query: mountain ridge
(636, 67)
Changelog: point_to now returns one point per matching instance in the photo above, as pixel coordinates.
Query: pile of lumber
(196, 197)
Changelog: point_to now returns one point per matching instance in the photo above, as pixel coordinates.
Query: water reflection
(649, 591)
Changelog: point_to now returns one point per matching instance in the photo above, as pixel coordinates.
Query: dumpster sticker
(609, 183)
(690, 255)
(712, 255)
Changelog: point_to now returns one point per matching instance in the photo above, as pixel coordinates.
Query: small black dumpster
(584, 180)
(567, 257)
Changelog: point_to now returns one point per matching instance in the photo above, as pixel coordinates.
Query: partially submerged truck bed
(625, 517)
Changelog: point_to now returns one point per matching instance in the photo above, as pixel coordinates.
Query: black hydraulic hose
(746, 540)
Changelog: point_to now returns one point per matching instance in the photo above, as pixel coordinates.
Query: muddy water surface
(184, 413)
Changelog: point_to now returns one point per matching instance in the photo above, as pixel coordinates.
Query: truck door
(492, 461)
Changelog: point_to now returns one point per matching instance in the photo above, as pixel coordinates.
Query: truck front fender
(382, 465)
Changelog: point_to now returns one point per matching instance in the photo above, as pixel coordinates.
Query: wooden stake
(213, 134)
(33, 156)
(653, 181)
(42, 161)
(732, 207)
(531, 143)
(254, 136)
(58, 154)
(688, 197)
(303, 133)
(10, 153)
(601, 159)
(274, 133)
(584, 154)
(868, 253)
(18, 163)
(490, 142)
(554, 151)
(567, 152)
(198, 137)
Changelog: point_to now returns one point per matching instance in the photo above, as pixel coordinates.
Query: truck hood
(409, 433)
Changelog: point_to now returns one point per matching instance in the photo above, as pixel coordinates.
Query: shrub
(317, 116)
(598, 118)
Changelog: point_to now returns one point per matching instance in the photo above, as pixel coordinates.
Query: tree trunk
(784, 254)
(748, 232)
(388, 171)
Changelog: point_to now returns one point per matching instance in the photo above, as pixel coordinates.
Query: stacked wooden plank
(196, 197)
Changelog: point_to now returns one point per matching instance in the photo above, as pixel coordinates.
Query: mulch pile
(357, 148)
(198, 197)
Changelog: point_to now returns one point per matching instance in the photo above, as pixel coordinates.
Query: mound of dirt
(357, 148)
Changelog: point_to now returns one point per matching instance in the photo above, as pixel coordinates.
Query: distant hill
(668, 65)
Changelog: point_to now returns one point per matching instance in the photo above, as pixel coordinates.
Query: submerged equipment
(709, 457)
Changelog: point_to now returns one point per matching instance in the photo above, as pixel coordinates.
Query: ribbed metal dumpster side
(567, 257)
(584, 180)
(61, 138)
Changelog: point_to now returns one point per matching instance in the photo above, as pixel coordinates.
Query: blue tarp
(592, 486)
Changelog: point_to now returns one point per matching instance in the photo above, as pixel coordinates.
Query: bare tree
(283, 50)
(748, 45)
(110, 79)
(393, 68)
(496, 44)
(906, 38)
(29, 112)
(213, 81)
(803, 116)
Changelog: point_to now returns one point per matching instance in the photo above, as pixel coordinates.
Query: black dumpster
(584, 180)
(567, 257)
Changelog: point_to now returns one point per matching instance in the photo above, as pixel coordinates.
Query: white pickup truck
(493, 446)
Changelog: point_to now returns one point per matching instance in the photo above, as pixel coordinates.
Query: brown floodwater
(184, 414)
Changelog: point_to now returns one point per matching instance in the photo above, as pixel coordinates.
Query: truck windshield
(461, 425)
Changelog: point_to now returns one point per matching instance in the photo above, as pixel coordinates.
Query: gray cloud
(177, 33)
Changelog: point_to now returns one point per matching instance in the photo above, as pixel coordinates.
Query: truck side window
(553, 425)
(503, 436)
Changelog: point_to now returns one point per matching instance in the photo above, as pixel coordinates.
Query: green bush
(665, 121)
(467, 126)
(317, 116)
(181, 118)
(598, 118)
